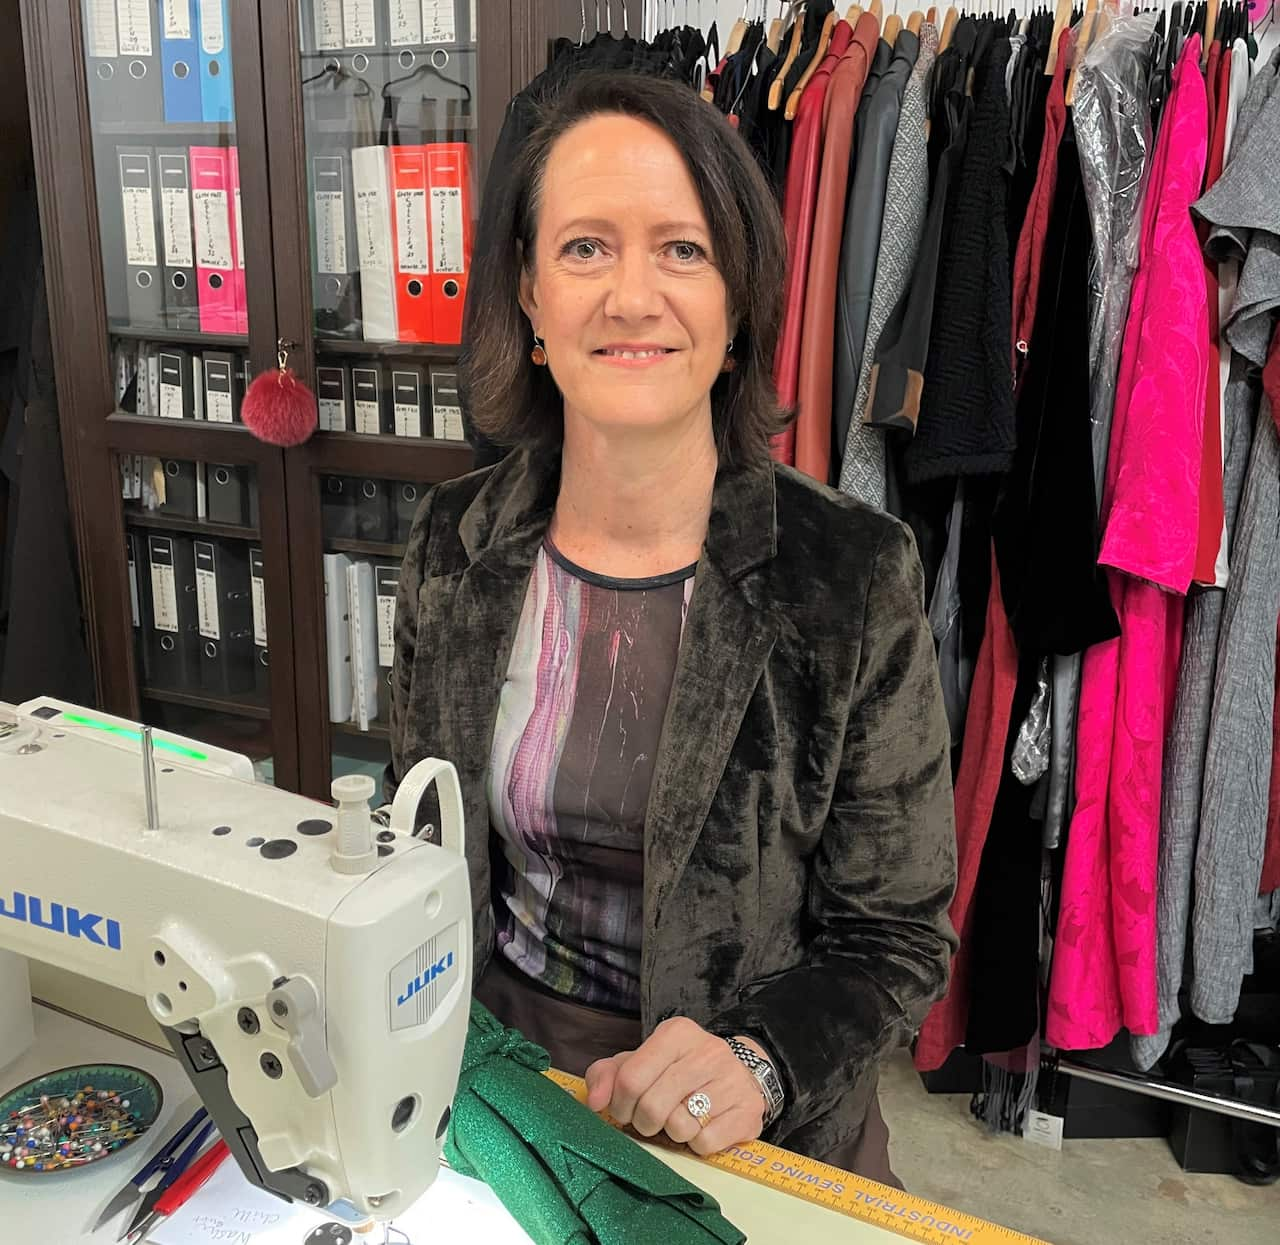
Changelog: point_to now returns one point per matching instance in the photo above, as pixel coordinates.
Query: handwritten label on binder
(177, 19)
(329, 25)
(207, 592)
(331, 216)
(139, 211)
(446, 229)
(100, 27)
(213, 36)
(411, 213)
(170, 401)
(386, 623)
(164, 597)
(135, 27)
(408, 404)
(368, 402)
(371, 229)
(213, 228)
(406, 22)
(359, 24)
(175, 215)
(438, 22)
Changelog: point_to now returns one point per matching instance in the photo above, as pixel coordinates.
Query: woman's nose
(634, 291)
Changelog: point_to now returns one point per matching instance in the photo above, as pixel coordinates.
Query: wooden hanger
(892, 29)
(1090, 28)
(793, 51)
(1210, 24)
(824, 41)
(1061, 20)
(876, 9)
(949, 27)
(915, 21)
(855, 12)
(932, 16)
(737, 34)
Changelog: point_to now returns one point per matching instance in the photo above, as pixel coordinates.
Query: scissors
(159, 1163)
(175, 1169)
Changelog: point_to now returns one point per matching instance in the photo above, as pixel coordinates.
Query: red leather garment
(817, 343)
(1026, 260)
(799, 202)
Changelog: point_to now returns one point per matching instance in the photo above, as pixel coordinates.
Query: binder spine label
(331, 216)
(134, 608)
(387, 585)
(374, 250)
(171, 401)
(239, 229)
(329, 25)
(177, 19)
(358, 23)
(135, 27)
(139, 213)
(213, 227)
(355, 624)
(446, 229)
(212, 27)
(368, 418)
(100, 27)
(258, 589)
(332, 415)
(207, 592)
(406, 23)
(218, 407)
(175, 216)
(408, 404)
(411, 208)
(164, 597)
(438, 22)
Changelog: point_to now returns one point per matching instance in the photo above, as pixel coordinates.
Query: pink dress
(1104, 960)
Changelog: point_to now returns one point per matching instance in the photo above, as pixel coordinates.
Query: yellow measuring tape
(864, 1200)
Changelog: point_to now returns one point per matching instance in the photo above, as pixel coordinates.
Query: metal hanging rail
(1254, 1112)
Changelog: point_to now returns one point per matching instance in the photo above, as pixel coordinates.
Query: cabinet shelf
(182, 337)
(366, 548)
(206, 130)
(211, 704)
(431, 351)
(194, 527)
(377, 730)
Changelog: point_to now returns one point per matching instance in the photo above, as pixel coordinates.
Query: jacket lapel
(723, 653)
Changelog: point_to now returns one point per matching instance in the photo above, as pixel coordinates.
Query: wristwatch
(766, 1077)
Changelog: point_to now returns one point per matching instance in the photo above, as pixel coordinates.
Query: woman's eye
(687, 252)
(582, 248)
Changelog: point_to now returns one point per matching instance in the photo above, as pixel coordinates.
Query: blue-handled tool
(175, 1169)
(158, 1163)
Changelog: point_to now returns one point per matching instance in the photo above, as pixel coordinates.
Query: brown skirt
(575, 1036)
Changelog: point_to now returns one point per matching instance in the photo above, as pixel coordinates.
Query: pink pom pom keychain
(278, 408)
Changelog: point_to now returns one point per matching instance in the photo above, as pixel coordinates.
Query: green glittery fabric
(566, 1176)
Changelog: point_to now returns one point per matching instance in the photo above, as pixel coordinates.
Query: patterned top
(577, 733)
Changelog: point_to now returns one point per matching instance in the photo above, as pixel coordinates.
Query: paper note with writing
(230, 1211)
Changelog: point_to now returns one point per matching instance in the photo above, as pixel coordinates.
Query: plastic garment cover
(1030, 756)
(1113, 137)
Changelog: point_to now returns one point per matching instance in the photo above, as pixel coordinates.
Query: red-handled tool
(193, 1179)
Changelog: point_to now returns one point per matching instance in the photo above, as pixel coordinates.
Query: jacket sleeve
(883, 875)
(406, 641)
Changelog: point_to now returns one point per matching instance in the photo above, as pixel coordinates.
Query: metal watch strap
(766, 1077)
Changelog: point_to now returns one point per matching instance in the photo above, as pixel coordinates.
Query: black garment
(1046, 527)
(1026, 154)
(966, 413)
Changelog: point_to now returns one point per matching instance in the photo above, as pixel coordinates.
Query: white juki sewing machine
(311, 970)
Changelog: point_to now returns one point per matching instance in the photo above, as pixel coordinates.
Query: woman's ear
(528, 302)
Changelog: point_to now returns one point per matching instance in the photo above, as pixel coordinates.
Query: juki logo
(69, 921)
(424, 978)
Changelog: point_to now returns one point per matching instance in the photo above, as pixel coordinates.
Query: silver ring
(699, 1106)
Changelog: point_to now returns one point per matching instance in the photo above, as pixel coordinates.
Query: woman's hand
(649, 1087)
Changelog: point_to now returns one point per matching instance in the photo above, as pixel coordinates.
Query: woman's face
(624, 288)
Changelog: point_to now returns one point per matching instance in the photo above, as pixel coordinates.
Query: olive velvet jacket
(799, 845)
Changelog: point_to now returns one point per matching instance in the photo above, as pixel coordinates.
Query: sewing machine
(311, 970)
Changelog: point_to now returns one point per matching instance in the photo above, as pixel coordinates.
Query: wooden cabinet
(218, 177)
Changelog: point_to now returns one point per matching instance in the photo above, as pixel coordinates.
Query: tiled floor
(1090, 1193)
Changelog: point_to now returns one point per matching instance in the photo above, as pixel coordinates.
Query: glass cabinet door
(167, 187)
(390, 99)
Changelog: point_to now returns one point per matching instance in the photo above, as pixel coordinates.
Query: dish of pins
(75, 1116)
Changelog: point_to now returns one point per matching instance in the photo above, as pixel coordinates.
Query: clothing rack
(1180, 1095)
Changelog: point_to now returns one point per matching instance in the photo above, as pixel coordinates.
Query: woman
(691, 696)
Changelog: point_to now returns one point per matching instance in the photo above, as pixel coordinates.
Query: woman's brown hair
(513, 402)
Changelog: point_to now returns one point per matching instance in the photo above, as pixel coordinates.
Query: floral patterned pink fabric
(1104, 959)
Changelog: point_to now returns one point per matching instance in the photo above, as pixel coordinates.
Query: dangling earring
(730, 363)
(538, 354)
